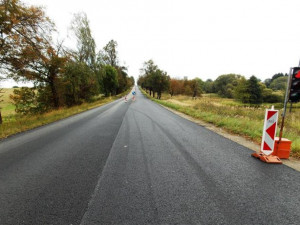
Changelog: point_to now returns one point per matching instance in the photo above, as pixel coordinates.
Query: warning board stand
(268, 139)
(267, 158)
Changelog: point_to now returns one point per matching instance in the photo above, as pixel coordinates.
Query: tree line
(251, 91)
(61, 76)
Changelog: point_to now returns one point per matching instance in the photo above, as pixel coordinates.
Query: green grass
(14, 123)
(234, 116)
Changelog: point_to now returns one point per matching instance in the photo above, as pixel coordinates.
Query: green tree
(86, 46)
(109, 80)
(224, 85)
(110, 54)
(279, 83)
(42, 66)
(208, 86)
(267, 82)
(161, 82)
(270, 96)
(197, 87)
(80, 83)
(241, 91)
(154, 79)
(24, 100)
(249, 91)
(254, 91)
(147, 72)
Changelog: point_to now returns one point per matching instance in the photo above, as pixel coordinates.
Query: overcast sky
(193, 38)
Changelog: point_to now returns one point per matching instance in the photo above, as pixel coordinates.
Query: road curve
(138, 163)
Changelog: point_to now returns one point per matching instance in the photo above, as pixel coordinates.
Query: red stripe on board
(271, 131)
(266, 147)
(270, 114)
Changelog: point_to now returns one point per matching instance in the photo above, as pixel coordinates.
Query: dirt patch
(291, 162)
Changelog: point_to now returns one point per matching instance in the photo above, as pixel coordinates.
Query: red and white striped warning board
(269, 132)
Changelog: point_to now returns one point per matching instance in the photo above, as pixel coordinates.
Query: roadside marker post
(268, 139)
(269, 132)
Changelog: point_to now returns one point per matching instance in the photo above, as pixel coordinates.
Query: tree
(279, 83)
(86, 46)
(109, 80)
(161, 82)
(147, 72)
(43, 66)
(249, 91)
(267, 82)
(123, 79)
(153, 79)
(24, 100)
(225, 85)
(110, 54)
(255, 91)
(241, 91)
(208, 86)
(176, 87)
(196, 86)
(27, 52)
(277, 75)
(80, 83)
(270, 96)
(22, 29)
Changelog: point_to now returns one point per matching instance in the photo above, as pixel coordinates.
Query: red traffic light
(294, 95)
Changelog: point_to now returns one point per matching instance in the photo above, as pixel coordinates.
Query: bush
(31, 100)
(270, 96)
(25, 100)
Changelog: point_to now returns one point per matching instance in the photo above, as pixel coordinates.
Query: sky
(193, 38)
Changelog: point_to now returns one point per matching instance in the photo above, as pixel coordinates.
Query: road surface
(138, 163)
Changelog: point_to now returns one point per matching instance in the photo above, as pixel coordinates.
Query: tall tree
(241, 91)
(110, 80)
(80, 83)
(27, 52)
(86, 46)
(154, 79)
(22, 29)
(249, 91)
(161, 82)
(255, 91)
(110, 54)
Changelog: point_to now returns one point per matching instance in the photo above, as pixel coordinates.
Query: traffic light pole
(285, 104)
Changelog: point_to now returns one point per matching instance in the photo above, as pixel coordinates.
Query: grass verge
(14, 123)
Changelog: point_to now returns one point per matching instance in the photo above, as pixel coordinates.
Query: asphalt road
(138, 163)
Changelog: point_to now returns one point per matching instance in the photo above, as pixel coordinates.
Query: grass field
(235, 117)
(7, 108)
(14, 123)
